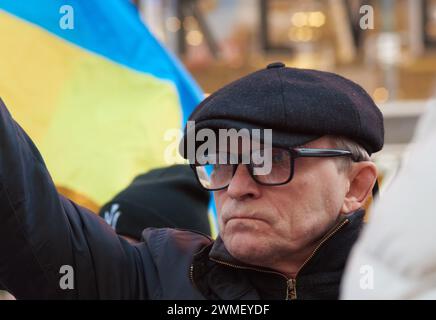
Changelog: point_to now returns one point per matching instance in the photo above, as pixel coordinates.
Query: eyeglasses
(213, 177)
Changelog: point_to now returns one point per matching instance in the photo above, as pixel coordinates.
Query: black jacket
(41, 231)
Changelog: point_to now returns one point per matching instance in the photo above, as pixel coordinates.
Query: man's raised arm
(49, 246)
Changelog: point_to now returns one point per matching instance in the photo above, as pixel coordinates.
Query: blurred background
(99, 98)
(100, 86)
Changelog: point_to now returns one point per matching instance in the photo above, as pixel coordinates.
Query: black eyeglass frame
(295, 153)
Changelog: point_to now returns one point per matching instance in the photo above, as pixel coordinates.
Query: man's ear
(362, 177)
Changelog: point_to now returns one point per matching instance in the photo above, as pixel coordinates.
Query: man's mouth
(245, 217)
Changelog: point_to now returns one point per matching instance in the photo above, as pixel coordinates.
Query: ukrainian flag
(93, 88)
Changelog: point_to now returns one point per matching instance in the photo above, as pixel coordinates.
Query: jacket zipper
(191, 274)
(291, 283)
(291, 293)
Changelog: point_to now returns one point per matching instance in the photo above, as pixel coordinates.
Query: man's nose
(242, 184)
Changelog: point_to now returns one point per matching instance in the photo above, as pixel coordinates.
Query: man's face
(262, 225)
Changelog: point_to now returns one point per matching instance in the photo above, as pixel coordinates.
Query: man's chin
(246, 246)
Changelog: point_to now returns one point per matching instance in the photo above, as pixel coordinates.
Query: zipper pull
(292, 289)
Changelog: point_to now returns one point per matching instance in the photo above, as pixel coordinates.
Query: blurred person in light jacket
(395, 256)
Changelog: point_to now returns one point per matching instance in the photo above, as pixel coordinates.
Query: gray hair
(357, 151)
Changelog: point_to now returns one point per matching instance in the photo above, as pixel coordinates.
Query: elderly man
(284, 234)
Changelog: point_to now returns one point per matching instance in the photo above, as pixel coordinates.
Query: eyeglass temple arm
(332, 152)
(308, 152)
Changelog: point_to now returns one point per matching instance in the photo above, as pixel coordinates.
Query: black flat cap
(299, 105)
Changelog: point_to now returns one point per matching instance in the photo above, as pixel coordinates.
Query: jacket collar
(217, 272)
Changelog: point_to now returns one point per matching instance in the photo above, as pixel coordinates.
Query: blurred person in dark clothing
(169, 197)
